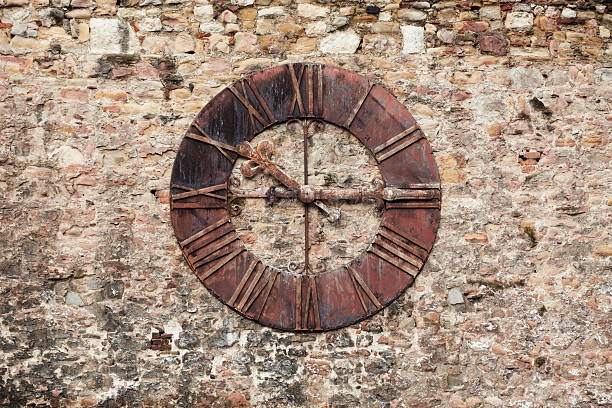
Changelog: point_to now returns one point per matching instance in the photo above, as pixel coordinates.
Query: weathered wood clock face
(305, 197)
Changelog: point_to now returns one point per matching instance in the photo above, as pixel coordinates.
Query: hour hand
(261, 160)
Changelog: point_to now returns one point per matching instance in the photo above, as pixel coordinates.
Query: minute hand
(386, 194)
(268, 166)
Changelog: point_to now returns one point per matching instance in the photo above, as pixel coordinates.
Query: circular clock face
(305, 197)
(338, 230)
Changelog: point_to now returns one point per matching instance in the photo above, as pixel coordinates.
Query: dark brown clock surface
(408, 196)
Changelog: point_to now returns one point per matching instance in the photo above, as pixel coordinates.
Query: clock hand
(306, 220)
(260, 159)
(272, 195)
(386, 194)
(427, 194)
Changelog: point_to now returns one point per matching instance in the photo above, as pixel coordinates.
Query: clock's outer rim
(354, 78)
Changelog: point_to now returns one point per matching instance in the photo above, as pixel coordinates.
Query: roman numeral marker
(211, 244)
(395, 248)
(267, 286)
(412, 245)
(244, 280)
(308, 71)
(203, 137)
(204, 232)
(351, 118)
(302, 314)
(357, 283)
(405, 142)
(251, 294)
(243, 98)
(206, 192)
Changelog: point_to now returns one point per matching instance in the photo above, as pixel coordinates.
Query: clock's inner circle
(268, 203)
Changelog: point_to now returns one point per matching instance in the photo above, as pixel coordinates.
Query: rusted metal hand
(311, 194)
(261, 160)
(384, 194)
(273, 195)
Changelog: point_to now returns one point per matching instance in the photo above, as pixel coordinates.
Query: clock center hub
(306, 194)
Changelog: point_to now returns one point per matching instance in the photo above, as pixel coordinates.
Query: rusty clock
(206, 193)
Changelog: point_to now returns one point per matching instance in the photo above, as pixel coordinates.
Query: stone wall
(512, 308)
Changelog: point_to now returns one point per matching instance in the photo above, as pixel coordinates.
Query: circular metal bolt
(388, 194)
(306, 194)
(234, 181)
(235, 208)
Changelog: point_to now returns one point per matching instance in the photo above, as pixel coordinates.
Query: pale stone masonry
(111, 36)
(414, 39)
(99, 309)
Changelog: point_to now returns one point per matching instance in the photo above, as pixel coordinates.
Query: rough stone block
(603, 250)
(476, 237)
(411, 15)
(455, 297)
(73, 298)
(264, 27)
(305, 45)
(79, 13)
(446, 36)
(490, 13)
(316, 28)
(20, 44)
(364, 18)
(245, 42)
(519, 21)
(184, 43)
(204, 13)
(272, 12)
(112, 36)
(149, 24)
(83, 32)
(9, 3)
(380, 43)
(532, 54)
(68, 156)
(81, 3)
(339, 21)
(311, 11)
(414, 39)
(342, 42)
(24, 30)
(452, 176)
(227, 17)
(421, 4)
(568, 13)
(211, 27)
(495, 44)
(386, 28)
